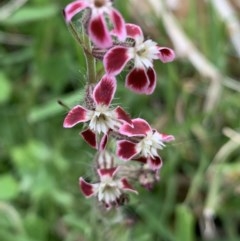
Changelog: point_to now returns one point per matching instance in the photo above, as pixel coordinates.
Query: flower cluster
(133, 155)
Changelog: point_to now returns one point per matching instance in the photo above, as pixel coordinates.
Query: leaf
(8, 187)
(36, 226)
(5, 88)
(62, 198)
(29, 14)
(17, 57)
(28, 158)
(184, 225)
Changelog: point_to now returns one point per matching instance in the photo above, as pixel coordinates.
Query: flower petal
(76, 115)
(164, 137)
(109, 172)
(155, 163)
(87, 188)
(125, 185)
(134, 31)
(103, 142)
(152, 81)
(137, 81)
(90, 137)
(141, 159)
(115, 59)
(119, 25)
(166, 54)
(122, 115)
(139, 128)
(104, 91)
(73, 8)
(126, 149)
(98, 32)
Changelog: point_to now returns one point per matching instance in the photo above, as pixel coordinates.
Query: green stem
(86, 45)
(197, 181)
(90, 61)
(213, 193)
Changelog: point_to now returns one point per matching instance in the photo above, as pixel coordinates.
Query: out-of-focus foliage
(40, 162)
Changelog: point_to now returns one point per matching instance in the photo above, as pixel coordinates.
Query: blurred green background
(197, 197)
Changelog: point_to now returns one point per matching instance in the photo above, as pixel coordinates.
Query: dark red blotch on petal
(90, 137)
(139, 128)
(137, 81)
(141, 159)
(76, 115)
(126, 185)
(115, 60)
(133, 30)
(155, 162)
(99, 33)
(74, 7)
(166, 54)
(86, 187)
(105, 90)
(122, 115)
(103, 142)
(107, 172)
(152, 81)
(119, 25)
(126, 149)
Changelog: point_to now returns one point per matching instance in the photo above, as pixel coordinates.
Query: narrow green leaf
(184, 225)
(30, 14)
(17, 57)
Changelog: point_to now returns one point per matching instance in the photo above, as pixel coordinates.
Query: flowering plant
(104, 36)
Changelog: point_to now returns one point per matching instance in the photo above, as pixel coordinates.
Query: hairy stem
(90, 60)
(86, 45)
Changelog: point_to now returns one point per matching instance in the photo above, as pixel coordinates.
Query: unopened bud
(147, 178)
(88, 100)
(105, 160)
